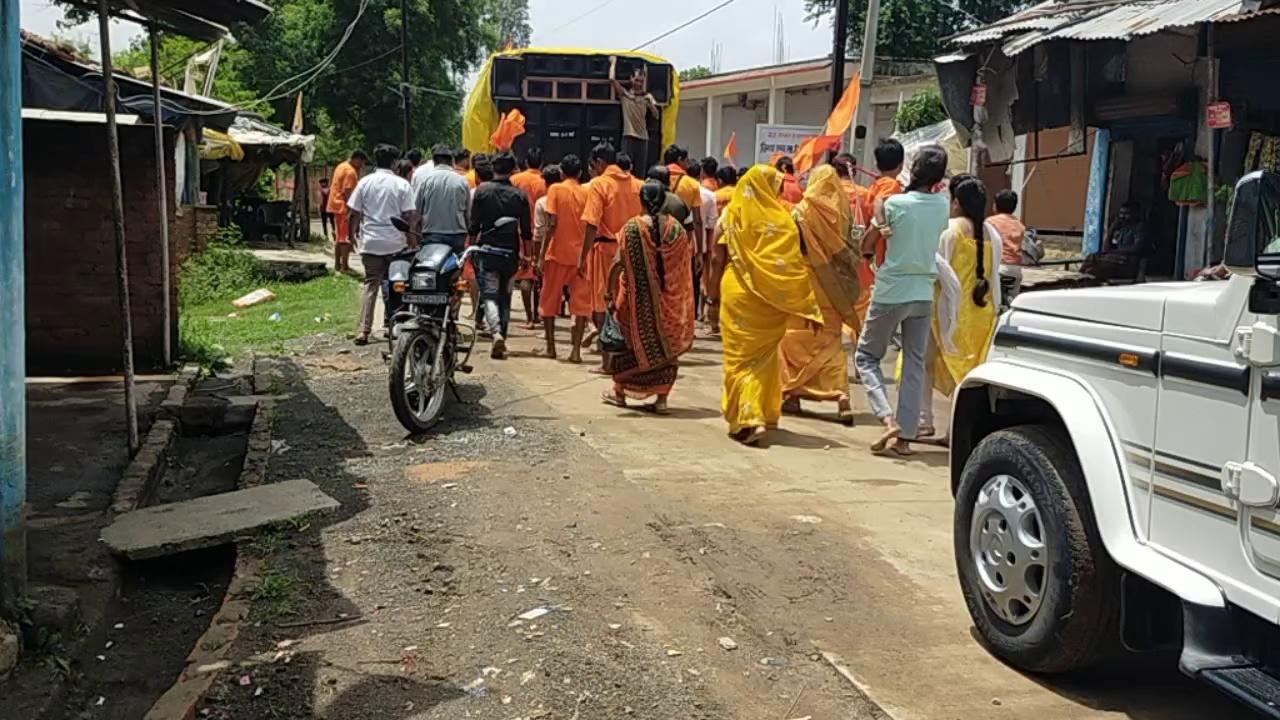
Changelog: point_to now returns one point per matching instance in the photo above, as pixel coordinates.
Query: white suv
(1114, 465)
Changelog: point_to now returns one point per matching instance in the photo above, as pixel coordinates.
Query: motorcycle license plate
(427, 299)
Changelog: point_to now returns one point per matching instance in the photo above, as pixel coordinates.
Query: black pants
(639, 151)
(697, 286)
(494, 275)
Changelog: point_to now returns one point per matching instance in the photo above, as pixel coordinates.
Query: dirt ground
(545, 556)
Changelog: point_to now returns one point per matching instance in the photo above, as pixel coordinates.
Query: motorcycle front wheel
(418, 393)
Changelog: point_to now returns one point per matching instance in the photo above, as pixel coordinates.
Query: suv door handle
(1250, 485)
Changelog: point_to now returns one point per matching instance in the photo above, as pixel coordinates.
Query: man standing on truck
(638, 106)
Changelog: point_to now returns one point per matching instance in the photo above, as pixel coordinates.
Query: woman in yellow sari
(963, 326)
(814, 364)
(765, 283)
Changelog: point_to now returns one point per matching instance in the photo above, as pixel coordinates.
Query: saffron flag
(731, 150)
(812, 150)
(509, 128)
(846, 110)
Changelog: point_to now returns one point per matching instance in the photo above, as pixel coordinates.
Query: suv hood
(1134, 306)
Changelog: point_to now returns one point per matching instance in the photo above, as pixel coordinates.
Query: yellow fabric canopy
(481, 117)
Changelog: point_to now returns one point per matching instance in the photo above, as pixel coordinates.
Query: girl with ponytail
(965, 323)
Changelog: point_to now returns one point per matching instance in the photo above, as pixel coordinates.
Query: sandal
(926, 431)
(890, 437)
(659, 407)
(751, 436)
(791, 406)
(609, 398)
(846, 413)
(362, 339)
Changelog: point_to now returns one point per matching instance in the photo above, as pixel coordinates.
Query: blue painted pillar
(13, 320)
(1095, 206)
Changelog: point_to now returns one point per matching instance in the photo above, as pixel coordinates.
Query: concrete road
(840, 551)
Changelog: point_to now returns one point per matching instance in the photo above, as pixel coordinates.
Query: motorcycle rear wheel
(418, 403)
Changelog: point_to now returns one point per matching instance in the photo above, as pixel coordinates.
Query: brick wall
(192, 230)
(73, 316)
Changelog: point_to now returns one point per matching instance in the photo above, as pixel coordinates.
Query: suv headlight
(424, 281)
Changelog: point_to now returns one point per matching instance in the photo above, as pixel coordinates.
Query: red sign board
(979, 96)
(1219, 114)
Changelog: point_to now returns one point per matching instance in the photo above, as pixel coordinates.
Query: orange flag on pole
(731, 150)
(846, 110)
(812, 150)
(509, 128)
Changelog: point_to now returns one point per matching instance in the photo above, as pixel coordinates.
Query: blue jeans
(916, 321)
(457, 241)
(493, 276)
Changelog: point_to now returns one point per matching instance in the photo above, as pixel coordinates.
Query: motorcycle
(429, 339)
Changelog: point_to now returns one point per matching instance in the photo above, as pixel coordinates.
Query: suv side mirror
(1253, 237)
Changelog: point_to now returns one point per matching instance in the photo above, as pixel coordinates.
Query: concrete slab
(213, 520)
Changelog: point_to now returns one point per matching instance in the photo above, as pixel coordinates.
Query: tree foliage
(695, 73)
(355, 100)
(921, 110)
(916, 28)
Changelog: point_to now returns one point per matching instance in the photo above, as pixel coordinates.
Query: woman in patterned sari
(652, 303)
(765, 285)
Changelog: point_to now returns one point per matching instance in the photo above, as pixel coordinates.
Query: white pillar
(713, 127)
(1018, 172)
(777, 103)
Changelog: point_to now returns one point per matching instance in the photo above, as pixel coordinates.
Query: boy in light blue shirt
(902, 298)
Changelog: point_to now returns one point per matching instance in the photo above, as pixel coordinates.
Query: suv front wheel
(1038, 582)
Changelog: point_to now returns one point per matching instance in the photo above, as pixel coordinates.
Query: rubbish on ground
(275, 317)
(101, 658)
(807, 519)
(443, 625)
(674, 653)
(257, 692)
(728, 643)
(535, 613)
(527, 676)
(257, 297)
(233, 314)
(509, 431)
(773, 662)
(118, 626)
(245, 680)
(476, 688)
(102, 699)
(615, 626)
(491, 671)
(506, 699)
(109, 644)
(693, 672)
(279, 447)
(449, 486)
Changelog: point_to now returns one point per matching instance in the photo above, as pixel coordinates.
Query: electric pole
(866, 113)
(404, 74)
(839, 48)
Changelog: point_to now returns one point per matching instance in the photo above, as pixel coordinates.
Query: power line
(684, 25)
(586, 14)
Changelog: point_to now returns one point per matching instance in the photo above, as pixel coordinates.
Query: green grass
(273, 595)
(209, 333)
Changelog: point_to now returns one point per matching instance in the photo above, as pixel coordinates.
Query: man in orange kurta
(345, 178)
(530, 180)
(611, 202)
(558, 261)
(791, 193)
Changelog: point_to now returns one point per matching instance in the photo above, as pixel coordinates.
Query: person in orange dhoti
(651, 292)
(814, 363)
(534, 183)
(611, 201)
(345, 178)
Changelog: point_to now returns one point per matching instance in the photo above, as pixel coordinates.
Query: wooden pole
(117, 217)
(162, 190)
(839, 48)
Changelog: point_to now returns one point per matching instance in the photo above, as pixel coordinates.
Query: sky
(744, 29)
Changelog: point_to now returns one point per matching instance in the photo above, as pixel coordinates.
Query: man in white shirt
(379, 197)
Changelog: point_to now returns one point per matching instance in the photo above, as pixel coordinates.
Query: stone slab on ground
(213, 520)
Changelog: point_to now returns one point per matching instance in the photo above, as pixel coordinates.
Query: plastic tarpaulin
(217, 146)
(481, 117)
(942, 134)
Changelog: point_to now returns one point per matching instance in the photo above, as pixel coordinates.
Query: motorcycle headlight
(424, 281)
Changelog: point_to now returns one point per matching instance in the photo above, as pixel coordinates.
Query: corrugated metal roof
(1101, 20)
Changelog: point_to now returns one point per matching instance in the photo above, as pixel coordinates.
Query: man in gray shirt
(443, 198)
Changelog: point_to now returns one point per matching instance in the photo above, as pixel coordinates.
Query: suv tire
(1077, 620)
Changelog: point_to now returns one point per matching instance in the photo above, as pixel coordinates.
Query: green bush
(224, 267)
(921, 110)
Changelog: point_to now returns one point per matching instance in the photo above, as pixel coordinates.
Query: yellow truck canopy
(480, 114)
